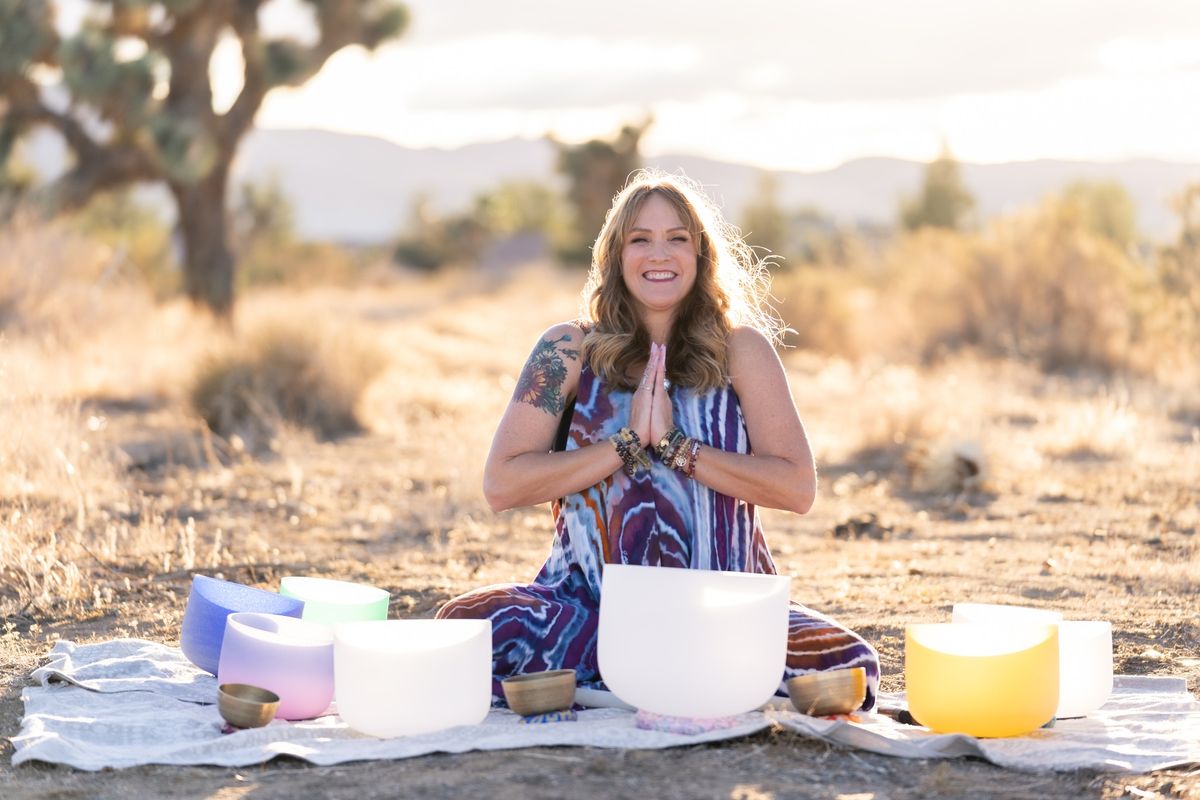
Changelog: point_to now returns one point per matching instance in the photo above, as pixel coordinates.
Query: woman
(655, 426)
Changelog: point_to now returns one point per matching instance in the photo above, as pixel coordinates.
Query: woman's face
(658, 257)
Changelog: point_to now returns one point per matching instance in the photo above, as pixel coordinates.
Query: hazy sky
(799, 85)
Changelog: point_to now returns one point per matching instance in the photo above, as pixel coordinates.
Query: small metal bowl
(246, 706)
(821, 694)
(540, 692)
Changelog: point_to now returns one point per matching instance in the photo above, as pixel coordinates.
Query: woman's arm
(520, 469)
(781, 472)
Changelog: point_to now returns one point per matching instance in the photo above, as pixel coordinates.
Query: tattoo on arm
(541, 381)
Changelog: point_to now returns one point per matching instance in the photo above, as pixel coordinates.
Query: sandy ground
(1098, 518)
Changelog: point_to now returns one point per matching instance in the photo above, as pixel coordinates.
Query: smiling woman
(655, 426)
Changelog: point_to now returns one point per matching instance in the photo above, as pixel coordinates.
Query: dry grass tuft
(949, 466)
(1105, 428)
(284, 371)
(59, 286)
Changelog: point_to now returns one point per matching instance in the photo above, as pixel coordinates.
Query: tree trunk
(203, 223)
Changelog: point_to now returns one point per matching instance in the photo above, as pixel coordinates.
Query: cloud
(529, 71)
(852, 50)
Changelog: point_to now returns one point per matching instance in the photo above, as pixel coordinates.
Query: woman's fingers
(651, 366)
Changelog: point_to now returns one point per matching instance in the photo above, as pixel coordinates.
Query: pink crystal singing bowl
(291, 657)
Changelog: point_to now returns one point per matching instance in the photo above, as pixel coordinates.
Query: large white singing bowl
(404, 677)
(1085, 665)
(692, 643)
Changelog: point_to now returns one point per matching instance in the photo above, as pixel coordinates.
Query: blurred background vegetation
(1069, 283)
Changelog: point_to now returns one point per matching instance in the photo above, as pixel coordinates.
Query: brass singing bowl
(246, 706)
(822, 694)
(540, 692)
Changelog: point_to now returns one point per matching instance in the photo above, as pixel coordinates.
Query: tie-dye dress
(660, 518)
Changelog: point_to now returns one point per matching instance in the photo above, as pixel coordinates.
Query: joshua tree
(595, 171)
(944, 201)
(130, 95)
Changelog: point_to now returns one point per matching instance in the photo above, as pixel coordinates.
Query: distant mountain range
(361, 189)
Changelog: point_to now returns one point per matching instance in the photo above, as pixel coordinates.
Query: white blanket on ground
(129, 702)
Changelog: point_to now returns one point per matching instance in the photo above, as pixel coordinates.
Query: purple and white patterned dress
(660, 518)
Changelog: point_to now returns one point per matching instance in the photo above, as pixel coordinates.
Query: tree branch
(254, 74)
(341, 24)
(105, 168)
(26, 109)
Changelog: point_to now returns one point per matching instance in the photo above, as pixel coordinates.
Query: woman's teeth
(659, 276)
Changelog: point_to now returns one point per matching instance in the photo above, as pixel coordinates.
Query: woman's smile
(658, 258)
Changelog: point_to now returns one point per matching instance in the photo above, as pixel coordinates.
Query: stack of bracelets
(629, 448)
(678, 451)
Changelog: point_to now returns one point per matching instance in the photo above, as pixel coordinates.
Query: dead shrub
(58, 285)
(286, 372)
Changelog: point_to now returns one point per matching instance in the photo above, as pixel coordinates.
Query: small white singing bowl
(821, 694)
(1085, 667)
(996, 612)
(540, 692)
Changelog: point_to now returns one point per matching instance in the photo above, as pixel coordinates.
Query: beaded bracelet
(669, 443)
(629, 448)
(678, 451)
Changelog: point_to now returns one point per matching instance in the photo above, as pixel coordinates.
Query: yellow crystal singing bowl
(982, 679)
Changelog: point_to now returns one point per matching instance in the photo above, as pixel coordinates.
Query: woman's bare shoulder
(748, 346)
(572, 329)
(551, 375)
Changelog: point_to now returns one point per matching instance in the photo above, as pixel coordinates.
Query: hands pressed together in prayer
(651, 415)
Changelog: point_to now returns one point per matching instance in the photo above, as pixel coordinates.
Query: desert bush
(1042, 285)
(1047, 285)
(59, 285)
(301, 264)
(285, 372)
(829, 311)
(136, 236)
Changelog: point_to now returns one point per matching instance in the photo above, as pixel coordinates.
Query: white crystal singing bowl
(1084, 647)
(1085, 666)
(404, 677)
(994, 612)
(692, 643)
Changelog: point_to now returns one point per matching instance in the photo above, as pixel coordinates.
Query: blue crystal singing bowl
(210, 602)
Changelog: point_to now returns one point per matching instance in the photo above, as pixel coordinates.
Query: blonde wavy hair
(732, 289)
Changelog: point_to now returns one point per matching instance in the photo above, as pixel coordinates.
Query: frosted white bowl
(1008, 615)
(692, 643)
(1085, 666)
(405, 677)
(1084, 648)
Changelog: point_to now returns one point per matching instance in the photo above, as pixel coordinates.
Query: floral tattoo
(541, 381)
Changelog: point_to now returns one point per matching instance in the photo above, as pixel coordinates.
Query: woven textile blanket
(128, 702)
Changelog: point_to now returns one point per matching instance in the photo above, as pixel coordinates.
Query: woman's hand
(641, 410)
(662, 416)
